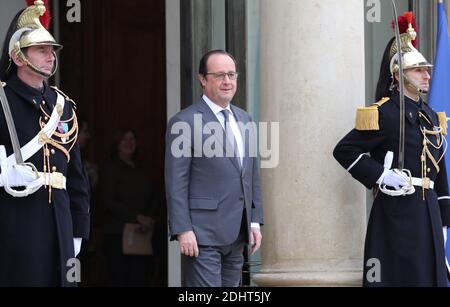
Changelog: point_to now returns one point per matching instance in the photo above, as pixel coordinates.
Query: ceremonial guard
(397, 149)
(44, 200)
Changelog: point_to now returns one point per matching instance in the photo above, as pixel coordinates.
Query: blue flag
(440, 84)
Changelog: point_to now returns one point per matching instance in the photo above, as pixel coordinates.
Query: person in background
(127, 197)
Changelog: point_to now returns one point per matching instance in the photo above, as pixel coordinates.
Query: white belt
(426, 183)
(55, 180)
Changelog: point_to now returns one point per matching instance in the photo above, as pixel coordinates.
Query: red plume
(403, 24)
(45, 19)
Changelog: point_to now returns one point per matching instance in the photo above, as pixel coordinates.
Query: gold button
(54, 168)
(429, 170)
(46, 118)
(52, 151)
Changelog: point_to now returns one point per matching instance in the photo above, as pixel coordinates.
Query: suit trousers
(216, 266)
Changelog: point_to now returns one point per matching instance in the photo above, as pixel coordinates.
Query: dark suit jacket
(210, 195)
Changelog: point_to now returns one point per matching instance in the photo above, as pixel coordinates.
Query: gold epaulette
(65, 96)
(367, 117)
(443, 122)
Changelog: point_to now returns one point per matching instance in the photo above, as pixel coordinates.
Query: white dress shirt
(217, 110)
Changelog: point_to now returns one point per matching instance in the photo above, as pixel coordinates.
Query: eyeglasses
(221, 76)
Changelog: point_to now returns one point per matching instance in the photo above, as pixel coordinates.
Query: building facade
(304, 64)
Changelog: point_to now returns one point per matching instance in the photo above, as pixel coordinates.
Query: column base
(308, 279)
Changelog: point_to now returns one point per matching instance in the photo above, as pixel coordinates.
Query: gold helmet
(30, 32)
(411, 57)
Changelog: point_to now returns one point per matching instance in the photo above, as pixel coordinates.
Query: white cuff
(77, 245)
(444, 228)
(255, 225)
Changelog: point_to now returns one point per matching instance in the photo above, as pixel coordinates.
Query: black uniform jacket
(404, 233)
(36, 237)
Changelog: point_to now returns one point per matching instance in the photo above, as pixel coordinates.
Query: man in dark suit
(212, 179)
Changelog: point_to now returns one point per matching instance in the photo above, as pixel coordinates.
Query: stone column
(312, 80)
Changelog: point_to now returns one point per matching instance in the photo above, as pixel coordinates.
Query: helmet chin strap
(22, 58)
(411, 85)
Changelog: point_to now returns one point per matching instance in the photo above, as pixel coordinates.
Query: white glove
(18, 175)
(15, 175)
(393, 179)
(77, 245)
